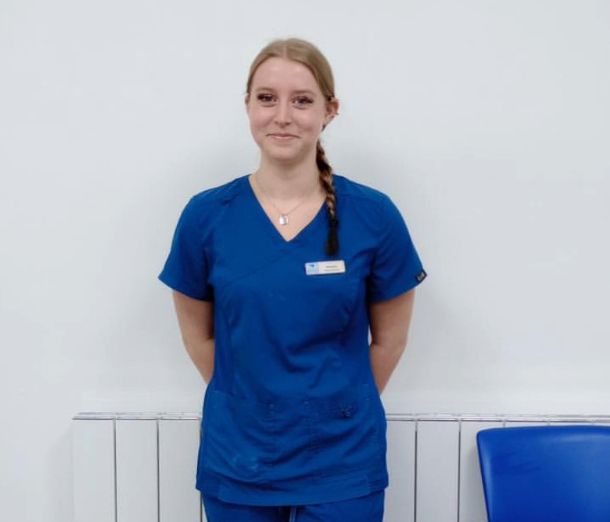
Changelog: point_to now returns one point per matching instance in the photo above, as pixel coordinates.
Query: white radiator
(141, 467)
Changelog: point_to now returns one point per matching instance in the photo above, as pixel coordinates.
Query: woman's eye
(265, 98)
(303, 100)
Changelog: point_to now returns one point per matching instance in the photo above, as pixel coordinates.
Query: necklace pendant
(283, 219)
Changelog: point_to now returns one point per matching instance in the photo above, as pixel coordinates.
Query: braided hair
(326, 178)
(309, 55)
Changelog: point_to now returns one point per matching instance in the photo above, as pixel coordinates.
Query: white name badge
(325, 267)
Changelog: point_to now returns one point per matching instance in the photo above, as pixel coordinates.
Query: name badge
(325, 267)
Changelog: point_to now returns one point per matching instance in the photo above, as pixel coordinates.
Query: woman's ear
(333, 107)
(332, 110)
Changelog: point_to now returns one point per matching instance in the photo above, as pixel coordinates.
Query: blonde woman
(278, 276)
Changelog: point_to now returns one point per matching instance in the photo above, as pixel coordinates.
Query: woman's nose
(283, 113)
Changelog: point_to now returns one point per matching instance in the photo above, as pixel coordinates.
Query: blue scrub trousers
(362, 509)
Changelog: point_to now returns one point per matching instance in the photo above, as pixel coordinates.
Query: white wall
(487, 123)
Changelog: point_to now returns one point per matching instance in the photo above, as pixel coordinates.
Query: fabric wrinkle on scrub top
(292, 414)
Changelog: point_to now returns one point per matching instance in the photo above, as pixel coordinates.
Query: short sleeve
(186, 268)
(396, 267)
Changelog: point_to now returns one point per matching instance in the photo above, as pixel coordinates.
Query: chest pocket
(279, 301)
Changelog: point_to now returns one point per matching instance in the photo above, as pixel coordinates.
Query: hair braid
(326, 177)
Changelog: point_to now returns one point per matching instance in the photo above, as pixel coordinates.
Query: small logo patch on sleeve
(421, 276)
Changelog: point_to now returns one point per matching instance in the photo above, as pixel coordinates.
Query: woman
(277, 277)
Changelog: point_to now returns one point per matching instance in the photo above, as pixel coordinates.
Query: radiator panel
(93, 468)
(471, 499)
(436, 493)
(400, 494)
(178, 444)
(131, 467)
(136, 470)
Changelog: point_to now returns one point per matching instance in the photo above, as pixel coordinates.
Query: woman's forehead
(281, 73)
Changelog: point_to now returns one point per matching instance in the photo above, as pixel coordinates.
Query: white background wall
(487, 122)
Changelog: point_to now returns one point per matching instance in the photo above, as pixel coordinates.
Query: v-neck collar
(261, 211)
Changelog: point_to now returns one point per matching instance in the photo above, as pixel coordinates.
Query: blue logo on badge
(312, 268)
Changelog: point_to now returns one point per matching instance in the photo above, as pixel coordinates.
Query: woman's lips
(282, 137)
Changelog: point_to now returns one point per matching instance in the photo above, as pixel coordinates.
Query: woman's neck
(288, 183)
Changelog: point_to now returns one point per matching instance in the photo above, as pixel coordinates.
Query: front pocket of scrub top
(238, 437)
(348, 431)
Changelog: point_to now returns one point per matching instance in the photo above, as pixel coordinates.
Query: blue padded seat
(546, 473)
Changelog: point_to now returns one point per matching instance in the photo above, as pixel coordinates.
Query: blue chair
(546, 473)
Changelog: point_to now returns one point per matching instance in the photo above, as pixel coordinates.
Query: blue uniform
(291, 415)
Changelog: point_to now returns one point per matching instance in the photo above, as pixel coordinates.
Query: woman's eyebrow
(298, 91)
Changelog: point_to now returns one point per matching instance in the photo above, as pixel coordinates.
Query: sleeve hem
(399, 289)
(183, 288)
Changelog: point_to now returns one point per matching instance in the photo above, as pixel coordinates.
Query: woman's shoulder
(219, 193)
(203, 207)
(361, 193)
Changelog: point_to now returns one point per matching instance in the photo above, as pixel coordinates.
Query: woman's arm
(390, 322)
(196, 321)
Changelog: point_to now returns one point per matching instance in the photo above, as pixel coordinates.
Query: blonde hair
(309, 55)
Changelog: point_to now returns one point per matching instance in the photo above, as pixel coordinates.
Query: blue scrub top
(292, 414)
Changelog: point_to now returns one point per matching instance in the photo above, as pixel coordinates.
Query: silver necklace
(283, 218)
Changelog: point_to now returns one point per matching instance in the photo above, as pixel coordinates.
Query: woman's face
(287, 111)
